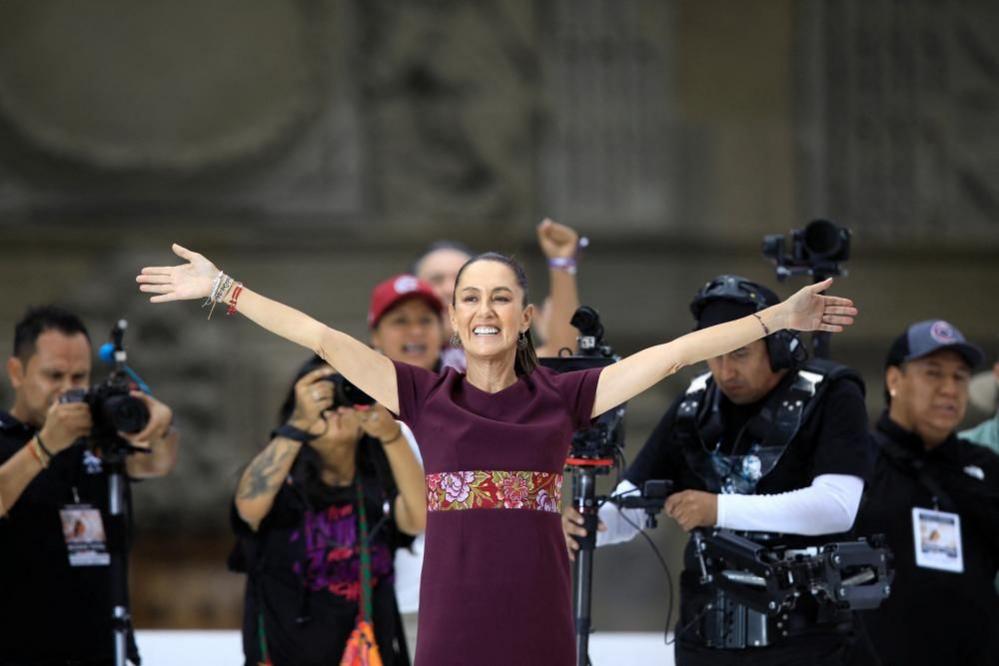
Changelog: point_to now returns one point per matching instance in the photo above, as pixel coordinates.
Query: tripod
(584, 499)
(114, 454)
(119, 508)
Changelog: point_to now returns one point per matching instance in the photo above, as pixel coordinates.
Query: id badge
(938, 540)
(83, 531)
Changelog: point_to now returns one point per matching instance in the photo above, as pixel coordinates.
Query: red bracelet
(235, 297)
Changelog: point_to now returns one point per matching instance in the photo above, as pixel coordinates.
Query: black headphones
(785, 347)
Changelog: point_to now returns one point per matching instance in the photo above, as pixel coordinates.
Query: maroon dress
(496, 587)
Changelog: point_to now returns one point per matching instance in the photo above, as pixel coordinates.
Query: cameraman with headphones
(766, 443)
(55, 580)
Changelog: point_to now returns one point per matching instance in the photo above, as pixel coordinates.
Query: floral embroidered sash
(449, 491)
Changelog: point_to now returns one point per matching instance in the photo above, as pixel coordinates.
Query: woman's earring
(455, 340)
(522, 341)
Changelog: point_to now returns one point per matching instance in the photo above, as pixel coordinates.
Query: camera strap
(915, 467)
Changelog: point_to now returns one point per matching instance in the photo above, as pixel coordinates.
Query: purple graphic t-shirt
(329, 556)
(304, 575)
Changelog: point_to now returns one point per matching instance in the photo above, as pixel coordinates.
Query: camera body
(113, 410)
(817, 250)
(345, 394)
(604, 440)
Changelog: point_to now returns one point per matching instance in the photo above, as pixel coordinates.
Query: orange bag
(361, 650)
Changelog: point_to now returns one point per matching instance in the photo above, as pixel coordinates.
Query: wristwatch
(289, 431)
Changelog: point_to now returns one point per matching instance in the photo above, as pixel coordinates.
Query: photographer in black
(766, 444)
(55, 603)
(935, 497)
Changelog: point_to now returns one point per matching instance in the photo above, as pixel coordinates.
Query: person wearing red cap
(407, 325)
(406, 321)
(496, 582)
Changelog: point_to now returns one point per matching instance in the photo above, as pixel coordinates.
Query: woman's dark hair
(527, 358)
(437, 246)
(370, 461)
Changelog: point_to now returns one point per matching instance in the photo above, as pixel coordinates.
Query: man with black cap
(936, 499)
(766, 442)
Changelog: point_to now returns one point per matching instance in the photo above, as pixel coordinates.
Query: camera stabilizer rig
(853, 575)
(758, 584)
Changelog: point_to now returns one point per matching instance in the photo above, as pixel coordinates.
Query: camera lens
(346, 394)
(823, 238)
(125, 413)
(587, 320)
(355, 396)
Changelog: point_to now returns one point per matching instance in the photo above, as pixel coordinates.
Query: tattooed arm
(262, 479)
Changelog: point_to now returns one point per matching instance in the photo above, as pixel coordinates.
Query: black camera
(815, 250)
(605, 438)
(345, 394)
(112, 408)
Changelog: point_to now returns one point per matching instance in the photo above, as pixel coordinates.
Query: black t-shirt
(933, 616)
(304, 570)
(51, 612)
(832, 440)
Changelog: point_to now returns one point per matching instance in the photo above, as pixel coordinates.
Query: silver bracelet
(220, 287)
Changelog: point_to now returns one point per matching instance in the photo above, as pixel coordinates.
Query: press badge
(83, 530)
(938, 540)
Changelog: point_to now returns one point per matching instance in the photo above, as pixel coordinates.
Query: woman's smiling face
(488, 312)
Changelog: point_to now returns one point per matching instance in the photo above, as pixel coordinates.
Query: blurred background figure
(320, 513)
(935, 497)
(57, 535)
(407, 324)
(983, 390)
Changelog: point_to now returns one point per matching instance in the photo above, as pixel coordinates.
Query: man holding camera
(55, 605)
(935, 497)
(766, 444)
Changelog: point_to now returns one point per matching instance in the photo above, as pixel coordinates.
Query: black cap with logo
(926, 337)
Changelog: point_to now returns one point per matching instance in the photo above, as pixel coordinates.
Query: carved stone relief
(900, 115)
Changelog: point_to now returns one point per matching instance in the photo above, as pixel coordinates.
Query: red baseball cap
(386, 295)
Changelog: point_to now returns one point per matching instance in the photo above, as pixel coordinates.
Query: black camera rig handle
(854, 575)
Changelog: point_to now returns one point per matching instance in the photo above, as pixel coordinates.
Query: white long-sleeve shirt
(828, 506)
(409, 561)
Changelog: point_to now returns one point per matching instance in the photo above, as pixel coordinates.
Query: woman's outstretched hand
(179, 283)
(808, 310)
